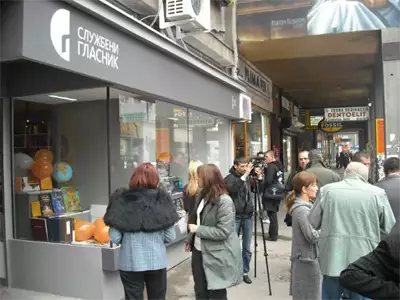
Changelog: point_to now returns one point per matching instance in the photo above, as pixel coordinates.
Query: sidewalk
(180, 281)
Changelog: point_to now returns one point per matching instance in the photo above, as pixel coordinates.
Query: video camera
(257, 162)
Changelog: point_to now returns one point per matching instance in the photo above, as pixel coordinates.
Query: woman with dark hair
(216, 253)
(306, 277)
(142, 219)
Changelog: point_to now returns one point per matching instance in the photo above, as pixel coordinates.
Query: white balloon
(23, 161)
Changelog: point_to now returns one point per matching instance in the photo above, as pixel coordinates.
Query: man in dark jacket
(239, 188)
(391, 184)
(365, 159)
(376, 275)
(274, 192)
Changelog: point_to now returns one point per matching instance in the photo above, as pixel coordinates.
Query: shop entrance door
(2, 223)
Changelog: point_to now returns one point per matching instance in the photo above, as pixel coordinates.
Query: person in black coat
(273, 192)
(376, 275)
(303, 162)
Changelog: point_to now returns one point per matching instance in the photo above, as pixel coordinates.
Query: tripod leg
(265, 249)
(255, 235)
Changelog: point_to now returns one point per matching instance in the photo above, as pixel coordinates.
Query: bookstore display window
(172, 144)
(132, 135)
(61, 167)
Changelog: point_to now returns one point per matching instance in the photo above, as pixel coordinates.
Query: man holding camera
(239, 188)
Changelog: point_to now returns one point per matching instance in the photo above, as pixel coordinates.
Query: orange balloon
(42, 168)
(44, 154)
(83, 230)
(101, 234)
(99, 223)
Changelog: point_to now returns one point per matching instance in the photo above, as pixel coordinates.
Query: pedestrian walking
(141, 220)
(216, 254)
(391, 184)
(317, 166)
(239, 189)
(306, 276)
(352, 216)
(303, 162)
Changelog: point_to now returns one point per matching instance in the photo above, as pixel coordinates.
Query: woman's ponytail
(289, 200)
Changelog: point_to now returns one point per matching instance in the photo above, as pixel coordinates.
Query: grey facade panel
(25, 78)
(11, 30)
(59, 35)
(3, 80)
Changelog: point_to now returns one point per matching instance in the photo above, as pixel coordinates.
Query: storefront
(289, 114)
(83, 104)
(254, 136)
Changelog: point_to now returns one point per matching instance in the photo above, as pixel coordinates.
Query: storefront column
(7, 179)
(391, 82)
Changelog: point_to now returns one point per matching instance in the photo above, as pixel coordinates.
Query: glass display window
(209, 139)
(73, 149)
(254, 134)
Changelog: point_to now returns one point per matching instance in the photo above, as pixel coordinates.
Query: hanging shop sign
(330, 127)
(346, 114)
(285, 103)
(296, 111)
(255, 79)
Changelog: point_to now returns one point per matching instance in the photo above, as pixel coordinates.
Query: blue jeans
(332, 290)
(245, 226)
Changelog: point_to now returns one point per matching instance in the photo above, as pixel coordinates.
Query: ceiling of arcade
(319, 71)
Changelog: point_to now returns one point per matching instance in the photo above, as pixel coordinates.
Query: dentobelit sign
(345, 114)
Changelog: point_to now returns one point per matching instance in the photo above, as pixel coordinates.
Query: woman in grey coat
(306, 277)
(216, 254)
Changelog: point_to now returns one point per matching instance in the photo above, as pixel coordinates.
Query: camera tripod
(257, 215)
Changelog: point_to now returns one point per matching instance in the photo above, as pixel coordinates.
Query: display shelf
(34, 193)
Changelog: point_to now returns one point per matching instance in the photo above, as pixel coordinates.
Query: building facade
(102, 93)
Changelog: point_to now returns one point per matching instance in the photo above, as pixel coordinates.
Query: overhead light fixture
(63, 98)
(370, 104)
(173, 119)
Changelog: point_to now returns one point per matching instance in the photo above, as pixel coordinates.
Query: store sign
(285, 103)
(59, 35)
(88, 44)
(346, 114)
(330, 127)
(255, 79)
(284, 19)
(380, 136)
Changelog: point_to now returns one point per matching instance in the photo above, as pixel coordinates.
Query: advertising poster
(260, 20)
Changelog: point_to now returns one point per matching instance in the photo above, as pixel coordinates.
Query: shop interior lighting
(63, 98)
(173, 119)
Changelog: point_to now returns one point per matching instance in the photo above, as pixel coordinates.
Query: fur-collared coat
(146, 210)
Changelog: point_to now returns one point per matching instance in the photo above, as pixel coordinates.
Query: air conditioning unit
(189, 15)
(244, 107)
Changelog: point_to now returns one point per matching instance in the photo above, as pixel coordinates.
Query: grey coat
(391, 185)
(306, 277)
(220, 245)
